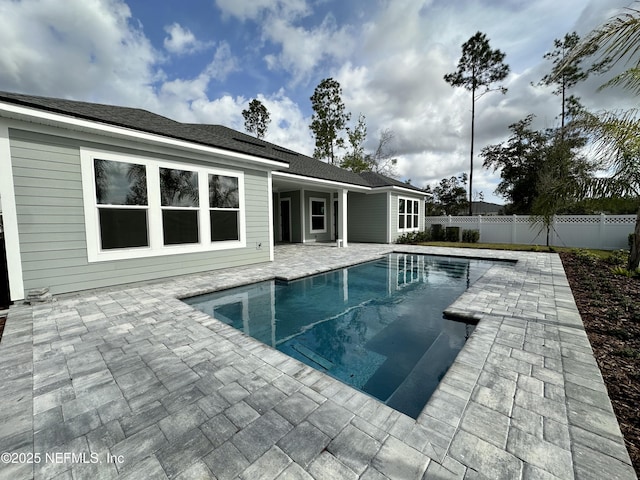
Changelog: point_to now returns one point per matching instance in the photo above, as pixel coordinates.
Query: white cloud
(255, 9)
(182, 41)
(89, 49)
(390, 65)
(223, 63)
(289, 127)
(300, 49)
(303, 50)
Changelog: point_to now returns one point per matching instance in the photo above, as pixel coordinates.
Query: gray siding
(367, 220)
(393, 224)
(51, 227)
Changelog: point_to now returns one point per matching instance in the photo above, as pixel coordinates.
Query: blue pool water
(378, 326)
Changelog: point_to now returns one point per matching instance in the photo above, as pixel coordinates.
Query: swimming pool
(378, 326)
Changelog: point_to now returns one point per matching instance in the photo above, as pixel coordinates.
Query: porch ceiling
(286, 182)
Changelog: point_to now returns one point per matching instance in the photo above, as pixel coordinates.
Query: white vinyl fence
(607, 232)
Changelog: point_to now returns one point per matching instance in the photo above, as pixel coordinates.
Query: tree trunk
(473, 121)
(634, 254)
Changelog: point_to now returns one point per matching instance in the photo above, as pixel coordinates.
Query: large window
(121, 197)
(317, 207)
(179, 199)
(136, 207)
(224, 207)
(408, 214)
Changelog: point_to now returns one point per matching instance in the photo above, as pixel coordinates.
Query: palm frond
(617, 39)
(620, 36)
(629, 79)
(615, 135)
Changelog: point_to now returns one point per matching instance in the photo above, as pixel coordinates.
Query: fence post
(601, 232)
(513, 228)
(480, 228)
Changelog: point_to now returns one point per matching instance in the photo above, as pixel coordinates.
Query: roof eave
(35, 115)
(395, 188)
(320, 181)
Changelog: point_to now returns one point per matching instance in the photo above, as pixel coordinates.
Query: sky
(205, 60)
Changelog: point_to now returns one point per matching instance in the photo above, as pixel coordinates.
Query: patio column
(342, 216)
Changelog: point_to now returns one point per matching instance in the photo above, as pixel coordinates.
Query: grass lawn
(518, 248)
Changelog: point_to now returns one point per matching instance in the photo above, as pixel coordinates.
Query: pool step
(313, 356)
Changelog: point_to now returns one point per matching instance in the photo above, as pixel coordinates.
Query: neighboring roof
(210, 135)
(484, 208)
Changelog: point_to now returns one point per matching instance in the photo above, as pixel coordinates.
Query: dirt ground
(610, 308)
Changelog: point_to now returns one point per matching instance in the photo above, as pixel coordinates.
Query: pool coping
(524, 398)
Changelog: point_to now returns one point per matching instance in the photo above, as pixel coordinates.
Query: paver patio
(148, 387)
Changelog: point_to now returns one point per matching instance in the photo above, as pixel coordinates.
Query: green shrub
(620, 270)
(585, 256)
(414, 237)
(470, 236)
(618, 257)
(437, 233)
(452, 234)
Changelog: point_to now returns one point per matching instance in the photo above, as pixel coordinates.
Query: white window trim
(156, 243)
(311, 215)
(415, 228)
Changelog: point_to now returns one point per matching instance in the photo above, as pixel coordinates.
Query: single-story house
(99, 195)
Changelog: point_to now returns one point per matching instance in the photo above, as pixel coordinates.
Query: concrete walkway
(132, 383)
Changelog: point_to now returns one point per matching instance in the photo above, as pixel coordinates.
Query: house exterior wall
(368, 217)
(394, 230)
(48, 186)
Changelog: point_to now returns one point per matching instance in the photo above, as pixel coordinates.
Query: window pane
(180, 226)
(401, 205)
(223, 192)
(409, 207)
(178, 188)
(317, 208)
(415, 221)
(409, 217)
(401, 221)
(317, 223)
(123, 228)
(224, 225)
(120, 183)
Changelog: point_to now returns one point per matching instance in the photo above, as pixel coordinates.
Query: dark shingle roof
(378, 180)
(310, 167)
(144, 121)
(210, 135)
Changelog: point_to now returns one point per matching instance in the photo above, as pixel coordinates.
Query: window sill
(147, 252)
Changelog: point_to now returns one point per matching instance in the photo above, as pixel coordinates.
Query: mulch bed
(610, 308)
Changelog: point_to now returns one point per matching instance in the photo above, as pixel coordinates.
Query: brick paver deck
(147, 387)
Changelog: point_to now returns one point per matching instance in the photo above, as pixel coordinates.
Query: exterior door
(285, 220)
(4, 276)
